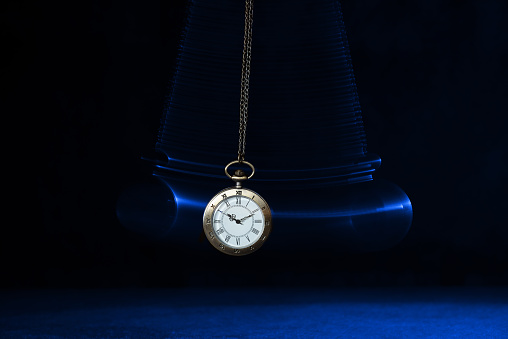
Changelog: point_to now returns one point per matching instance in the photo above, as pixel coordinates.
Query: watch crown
(238, 177)
(239, 173)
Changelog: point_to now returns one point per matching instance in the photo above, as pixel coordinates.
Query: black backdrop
(83, 89)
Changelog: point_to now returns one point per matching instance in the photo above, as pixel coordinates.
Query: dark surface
(83, 91)
(256, 313)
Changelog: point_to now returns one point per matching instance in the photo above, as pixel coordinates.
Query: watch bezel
(210, 232)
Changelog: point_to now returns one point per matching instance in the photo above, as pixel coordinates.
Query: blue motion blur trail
(305, 133)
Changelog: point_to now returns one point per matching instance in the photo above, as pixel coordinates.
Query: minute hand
(246, 217)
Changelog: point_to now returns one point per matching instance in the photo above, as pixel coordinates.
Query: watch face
(237, 221)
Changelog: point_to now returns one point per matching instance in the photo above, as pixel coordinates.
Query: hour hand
(231, 217)
(227, 214)
(237, 221)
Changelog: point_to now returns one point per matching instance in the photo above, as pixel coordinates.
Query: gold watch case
(208, 222)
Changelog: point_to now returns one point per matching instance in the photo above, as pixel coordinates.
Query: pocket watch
(237, 220)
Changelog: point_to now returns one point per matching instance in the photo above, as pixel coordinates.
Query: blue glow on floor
(256, 313)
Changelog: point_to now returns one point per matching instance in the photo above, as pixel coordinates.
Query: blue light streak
(341, 213)
(186, 202)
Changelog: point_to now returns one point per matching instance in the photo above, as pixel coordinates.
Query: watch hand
(246, 217)
(237, 221)
(231, 217)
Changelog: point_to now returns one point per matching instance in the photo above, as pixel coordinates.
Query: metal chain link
(244, 94)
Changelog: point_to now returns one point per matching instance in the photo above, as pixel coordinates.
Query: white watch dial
(238, 221)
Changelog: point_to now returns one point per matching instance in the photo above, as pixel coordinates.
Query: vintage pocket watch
(237, 220)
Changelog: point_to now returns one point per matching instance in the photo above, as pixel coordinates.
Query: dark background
(83, 90)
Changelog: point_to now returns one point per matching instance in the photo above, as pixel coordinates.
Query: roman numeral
(255, 231)
(257, 209)
(258, 221)
(227, 238)
(239, 200)
(216, 221)
(238, 241)
(224, 197)
(247, 238)
(220, 231)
